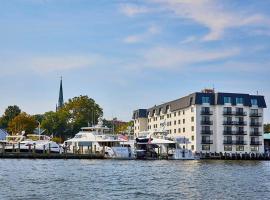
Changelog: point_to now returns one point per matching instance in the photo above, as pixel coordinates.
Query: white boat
(30, 142)
(159, 144)
(100, 139)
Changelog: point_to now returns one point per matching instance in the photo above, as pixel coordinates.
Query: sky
(131, 54)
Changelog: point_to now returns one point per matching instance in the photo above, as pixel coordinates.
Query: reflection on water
(113, 179)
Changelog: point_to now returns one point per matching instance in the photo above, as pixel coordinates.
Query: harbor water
(115, 179)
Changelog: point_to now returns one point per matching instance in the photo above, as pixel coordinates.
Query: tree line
(77, 112)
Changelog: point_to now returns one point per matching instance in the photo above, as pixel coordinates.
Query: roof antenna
(257, 92)
(214, 87)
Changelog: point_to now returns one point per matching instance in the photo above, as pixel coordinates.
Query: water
(112, 179)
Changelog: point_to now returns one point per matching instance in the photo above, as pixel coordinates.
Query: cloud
(175, 58)
(213, 16)
(152, 30)
(132, 9)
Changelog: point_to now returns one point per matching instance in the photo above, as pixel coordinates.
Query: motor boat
(161, 145)
(31, 142)
(100, 139)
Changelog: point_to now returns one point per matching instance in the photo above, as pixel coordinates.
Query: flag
(123, 137)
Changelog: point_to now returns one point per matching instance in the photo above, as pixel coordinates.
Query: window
(192, 128)
(179, 121)
(174, 122)
(254, 102)
(239, 100)
(179, 130)
(227, 148)
(192, 147)
(192, 119)
(179, 113)
(240, 148)
(192, 138)
(205, 100)
(174, 130)
(184, 121)
(206, 147)
(184, 130)
(183, 112)
(227, 100)
(168, 116)
(254, 148)
(175, 114)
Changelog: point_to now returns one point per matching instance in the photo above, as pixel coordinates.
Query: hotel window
(179, 130)
(192, 119)
(192, 147)
(227, 148)
(254, 111)
(174, 130)
(206, 147)
(192, 128)
(184, 130)
(205, 100)
(227, 100)
(179, 113)
(239, 100)
(184, 121)
(183, 112)
(179, 121)
(192, 138)
(239, 148)
(254, 102)
(175, 114)
(174, 122)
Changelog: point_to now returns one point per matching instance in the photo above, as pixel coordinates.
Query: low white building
(213, 122)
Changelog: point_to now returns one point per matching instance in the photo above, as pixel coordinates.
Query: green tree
(22, 122)
(10, 113)
(267, 128)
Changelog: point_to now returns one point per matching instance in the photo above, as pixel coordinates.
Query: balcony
(207, 142)
(255, 133)
(240, 113)
(228, 132)
(206, 122)
(240, 123)
(239, 142)
(206, 132)
(255, 142)
(255, 124)
(228, 112)
(240, 132)
(228, 123)
(255, 114)
(206, 112)
(227, 142)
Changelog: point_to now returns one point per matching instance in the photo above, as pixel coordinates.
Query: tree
(22, 122)
(10, 113)
(267, 128)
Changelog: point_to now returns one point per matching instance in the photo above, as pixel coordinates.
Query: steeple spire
(61, 96)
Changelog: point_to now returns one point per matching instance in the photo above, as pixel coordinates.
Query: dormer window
(239, 100)
(227, 100)
(205, 100)
(254, 102)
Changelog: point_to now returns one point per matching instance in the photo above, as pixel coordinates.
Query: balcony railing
(227, 142)
(228, 112)
(228, 132)
(239, 132)
(206, 132)
(228, 123)
(240, 123)
(255, 114)
(240, 113)
(255, 123)
(206, 122)
(206, 112)
(234, 142)
(207, 142)
(255, 133)
(255, 142)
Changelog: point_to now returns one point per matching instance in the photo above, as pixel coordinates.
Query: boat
(100, 139)
(31, 142)
(161, 145)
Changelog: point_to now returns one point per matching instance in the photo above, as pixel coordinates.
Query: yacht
(100, 139)
(25, 143)
(160, 144)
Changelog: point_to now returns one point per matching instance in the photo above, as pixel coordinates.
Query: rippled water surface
(113, 179)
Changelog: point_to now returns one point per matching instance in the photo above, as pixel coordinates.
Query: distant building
(61, 97)
(212, 122)
(3, 134)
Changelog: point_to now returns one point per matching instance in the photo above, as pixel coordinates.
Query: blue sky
(131, 54)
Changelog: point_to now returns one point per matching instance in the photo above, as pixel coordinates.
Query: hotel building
(212, 122)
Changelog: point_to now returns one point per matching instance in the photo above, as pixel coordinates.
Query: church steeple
(61, 96)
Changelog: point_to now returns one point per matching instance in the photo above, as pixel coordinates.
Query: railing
(206, 132)
(255, 123)
(240, 123)
(206, 112)
(228, 132)
(238, 132)
(207, 142)
(239, 142)
(228, 112)
(240, 113)
(255, 114)
(255, 142)
(206, 122)
(228, 123)
(227, 142)
(255, 133)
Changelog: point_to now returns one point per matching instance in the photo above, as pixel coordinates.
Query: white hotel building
(213, 122)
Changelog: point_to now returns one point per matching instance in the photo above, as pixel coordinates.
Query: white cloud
(213, 16)
(132, 9)
(152, 30)
(168, 57)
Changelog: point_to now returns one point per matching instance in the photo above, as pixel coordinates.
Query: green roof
(266, 136)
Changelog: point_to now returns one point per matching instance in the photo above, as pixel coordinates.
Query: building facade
(212, 122)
